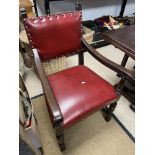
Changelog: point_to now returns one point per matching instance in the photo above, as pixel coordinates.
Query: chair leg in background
(47, 7)
(123, 63)
(109, 111)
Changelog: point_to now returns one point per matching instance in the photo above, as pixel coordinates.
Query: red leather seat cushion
(55, 35)
(79, 92)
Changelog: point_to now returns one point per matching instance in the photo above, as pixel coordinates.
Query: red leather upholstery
(55, 35)
(79, 92)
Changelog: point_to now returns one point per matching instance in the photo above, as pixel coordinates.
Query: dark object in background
(91, 25)
(126, 20)
(106, 23)
(24, 148)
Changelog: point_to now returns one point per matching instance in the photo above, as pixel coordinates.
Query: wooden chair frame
(52, 105)
(53, 108)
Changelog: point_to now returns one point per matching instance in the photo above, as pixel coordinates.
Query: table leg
(125, 59)
(129, 93)
(128, 90)
(124, 2)
(123, 63)
(47, 8)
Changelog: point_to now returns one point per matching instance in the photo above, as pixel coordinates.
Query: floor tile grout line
(34, 97)
(124, 128)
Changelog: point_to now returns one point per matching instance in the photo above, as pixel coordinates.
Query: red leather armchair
(77, 92)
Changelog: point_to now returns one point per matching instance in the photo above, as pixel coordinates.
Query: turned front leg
(109, 111)
(60, 138)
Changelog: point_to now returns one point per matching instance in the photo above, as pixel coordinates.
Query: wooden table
(124, 39)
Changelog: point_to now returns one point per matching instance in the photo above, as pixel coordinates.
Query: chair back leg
(109, 111)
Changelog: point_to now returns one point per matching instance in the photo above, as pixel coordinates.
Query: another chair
(77, 92)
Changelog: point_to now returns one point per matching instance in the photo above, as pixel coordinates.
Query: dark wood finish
(81, 58)
(109, 111)
(52, 104)
(125, 74)
(132, 107)
(129, 93)
(110, 64)
(47, 7)
(119, 87)
(122, 8)
(99, 44)
(124, 39)
(125, 59)
(53, 108)
(60, 136)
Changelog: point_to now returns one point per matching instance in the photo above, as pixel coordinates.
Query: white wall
(91, 9)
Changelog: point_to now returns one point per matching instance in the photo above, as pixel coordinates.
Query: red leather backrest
(55, 35)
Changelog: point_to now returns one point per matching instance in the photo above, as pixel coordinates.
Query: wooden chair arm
(53, 107)
(110, 64)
